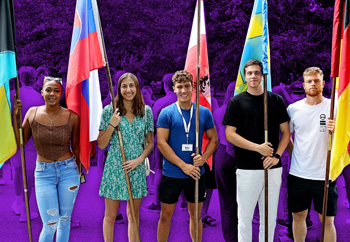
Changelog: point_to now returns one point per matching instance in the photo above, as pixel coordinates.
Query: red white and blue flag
(83, 89)
(191, 66)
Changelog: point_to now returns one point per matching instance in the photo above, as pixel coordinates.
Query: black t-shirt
(246, 113)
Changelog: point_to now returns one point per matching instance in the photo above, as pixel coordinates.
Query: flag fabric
(256, 45)
(265, 39)
(8, 145)
(337, 37)
(191, 65)
(83, 91)
(340, 156)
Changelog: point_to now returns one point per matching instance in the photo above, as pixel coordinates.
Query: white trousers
(251, 190)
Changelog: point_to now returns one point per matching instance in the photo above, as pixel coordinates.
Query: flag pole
(128, 184)
(266, 172)
(265, 73)
(19, 120)
(328, 163)
(24, 173)
(196, 215)
(335, 67)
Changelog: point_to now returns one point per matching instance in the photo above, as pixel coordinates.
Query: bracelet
(112, 126)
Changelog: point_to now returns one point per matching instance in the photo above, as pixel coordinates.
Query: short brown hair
(253, 62)
(312, 70)
(182, 76)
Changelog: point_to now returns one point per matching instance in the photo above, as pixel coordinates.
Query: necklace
(53, 120)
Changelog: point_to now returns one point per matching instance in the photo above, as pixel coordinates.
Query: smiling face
(51, 92)
(128, 89)
(313, 84)
(183, 91)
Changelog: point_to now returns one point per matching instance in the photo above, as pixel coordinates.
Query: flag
(191, 66)
(8, 145)
(340, 156)
(256, 45)
(83, 91)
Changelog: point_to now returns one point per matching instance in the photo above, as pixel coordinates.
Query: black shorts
(301, 192)
(170, 189)
(209, 177)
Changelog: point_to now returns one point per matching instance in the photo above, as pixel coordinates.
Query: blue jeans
(56, 187)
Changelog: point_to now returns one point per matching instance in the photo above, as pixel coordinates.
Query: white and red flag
(83, 89)
(191, 65)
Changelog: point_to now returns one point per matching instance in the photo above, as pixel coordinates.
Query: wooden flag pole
(328, 163)
(266, 171)
(196, 215)
(128, 184)
(24, 172)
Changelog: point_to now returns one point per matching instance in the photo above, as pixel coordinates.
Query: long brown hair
(138, 105)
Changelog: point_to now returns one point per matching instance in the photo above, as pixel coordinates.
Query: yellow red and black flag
(340, 67)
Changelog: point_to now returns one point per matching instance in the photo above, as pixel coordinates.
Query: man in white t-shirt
(309, 120)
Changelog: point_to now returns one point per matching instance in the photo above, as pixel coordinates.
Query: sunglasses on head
(56, 79)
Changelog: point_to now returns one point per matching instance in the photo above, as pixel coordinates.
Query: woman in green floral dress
(130, 115)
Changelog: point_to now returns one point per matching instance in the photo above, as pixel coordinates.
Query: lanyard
(187, 127)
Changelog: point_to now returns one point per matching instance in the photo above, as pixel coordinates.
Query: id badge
(187, 147)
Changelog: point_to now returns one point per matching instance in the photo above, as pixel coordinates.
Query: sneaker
(152, 208)
(283, 222)
(119, 219)
(209, 221)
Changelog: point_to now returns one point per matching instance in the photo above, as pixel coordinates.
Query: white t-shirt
(309, 122)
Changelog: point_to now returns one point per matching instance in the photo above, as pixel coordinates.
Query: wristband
(277, 156)
(112, 126)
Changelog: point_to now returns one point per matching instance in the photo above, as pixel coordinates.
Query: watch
(277, 156)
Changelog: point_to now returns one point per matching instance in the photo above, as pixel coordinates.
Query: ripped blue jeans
(56, 187)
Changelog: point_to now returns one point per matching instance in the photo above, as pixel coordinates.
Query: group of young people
(55, 132)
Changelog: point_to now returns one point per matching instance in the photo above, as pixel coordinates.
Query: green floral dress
(113, 184)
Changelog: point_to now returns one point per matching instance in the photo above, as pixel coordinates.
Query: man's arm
(285, 137)
(284, 141)
(212, 136)
(264, 149)
(290, 147)
(169, 154)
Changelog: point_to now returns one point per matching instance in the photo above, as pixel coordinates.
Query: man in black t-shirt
(244, 121)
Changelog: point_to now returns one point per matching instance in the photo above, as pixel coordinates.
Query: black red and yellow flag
(341, 68)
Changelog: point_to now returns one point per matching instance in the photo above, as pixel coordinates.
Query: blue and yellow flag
(256, 45)
(8, 145)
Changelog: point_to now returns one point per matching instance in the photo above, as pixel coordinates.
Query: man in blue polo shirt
(181, 167)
